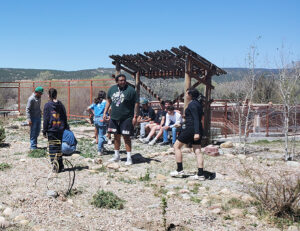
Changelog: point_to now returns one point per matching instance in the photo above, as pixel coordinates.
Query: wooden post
(118, 68)
(187, 79)
(19, 97)
(137, 86)
(33, 86)
(207, 112)
(267, 123)
(69, 98)
(91, 91)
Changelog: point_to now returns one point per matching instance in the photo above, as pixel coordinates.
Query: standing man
(33, 113)
(124, 104)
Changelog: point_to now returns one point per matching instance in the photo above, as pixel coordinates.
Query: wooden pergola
(175, 63)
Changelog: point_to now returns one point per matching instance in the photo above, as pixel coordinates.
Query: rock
(250, 158)
(122, 169)
(186, 150)
(70, 201)
(98, 161)
(235, 195)
(229, 155)
(192, 183)
(293, 228)
(154, 154)
(96, 167)
(7, 212)
(171, 193)
(160, 177)
(219, 176)
(22, 160)
(78, 215)
(205, 201)
(173, 186)
(75, 155)
(163, 153)
(216, 211)
(227, 144)
(241, 156)
(113, 166)
(92, 171)
(20, 217)
(3, 223)
(293, 164)
(225, 191)
(247, 198)
(171, 151)
(211, 150)
(37, 228)
(154, 206)
(52, 193)
(184, 191)
(251, 217)
(185, 196)
(88, 160)
(236, 212)
(24, 222)
(252, 210)
(273, 229)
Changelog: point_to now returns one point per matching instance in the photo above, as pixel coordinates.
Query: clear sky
(73, 35)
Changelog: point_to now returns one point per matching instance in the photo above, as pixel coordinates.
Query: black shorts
(186, 136)
(123, 127)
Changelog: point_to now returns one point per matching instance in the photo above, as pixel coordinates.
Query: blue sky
(73, 35)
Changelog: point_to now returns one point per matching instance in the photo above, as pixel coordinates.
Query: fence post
(91, 92)
(19, 98)
(69, 98)
(267, 123)
(225, 119)
(33, 86)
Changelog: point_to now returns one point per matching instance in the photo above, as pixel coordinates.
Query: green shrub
(4, 166)
(37, 153)
(146, 177)
(107, 200)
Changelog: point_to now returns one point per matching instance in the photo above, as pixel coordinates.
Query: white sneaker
(114, 159)
(100, 153)
(128, 162)
(196, 177)
(176, 173)
(152, 142)
(141, 140)
(109, 142)
(145, 141)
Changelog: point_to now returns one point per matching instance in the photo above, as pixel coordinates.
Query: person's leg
(34, 132)
(153, 127)
(200, 159)
(127, 141)
(160, 132)
(174, 134)
(178, 157)
(142, 129)
(165, 136)
(67, 149)
(96, 135)
(101, 139)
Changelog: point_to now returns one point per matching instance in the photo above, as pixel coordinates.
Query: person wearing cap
(33, 114)
(146, 116)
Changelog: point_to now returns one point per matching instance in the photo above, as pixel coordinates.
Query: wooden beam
(187, 79)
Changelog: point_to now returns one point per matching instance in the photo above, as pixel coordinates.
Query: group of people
(118, 113)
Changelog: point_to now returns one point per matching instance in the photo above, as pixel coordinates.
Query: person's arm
(136, 113)
(45, 119)
(107, 106)
(167, 121)
(177, 120)
(28, 110)
(65, 118)
(162, 122)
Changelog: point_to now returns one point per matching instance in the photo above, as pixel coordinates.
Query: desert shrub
(279, 194)
(107, 200)
(4, 166)
(146, 177)
(37, 153)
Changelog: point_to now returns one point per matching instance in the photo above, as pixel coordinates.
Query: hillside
(12, 74)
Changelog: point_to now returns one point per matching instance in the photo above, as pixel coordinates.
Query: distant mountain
(13, 74)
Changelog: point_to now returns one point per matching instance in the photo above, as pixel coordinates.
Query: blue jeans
(142, 130)
(101, 130)
(174, 131)
(34, 132)
(67, 149)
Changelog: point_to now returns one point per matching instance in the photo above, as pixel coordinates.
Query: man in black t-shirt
(147, 116)
(124, 104)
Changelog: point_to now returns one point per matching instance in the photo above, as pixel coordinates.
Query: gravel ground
(191, 205)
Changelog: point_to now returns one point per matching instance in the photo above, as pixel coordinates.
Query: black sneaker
(164, 143)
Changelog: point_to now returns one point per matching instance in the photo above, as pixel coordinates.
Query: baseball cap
(39, 89)
(144, 101)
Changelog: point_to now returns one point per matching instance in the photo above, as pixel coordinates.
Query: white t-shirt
(174, 119)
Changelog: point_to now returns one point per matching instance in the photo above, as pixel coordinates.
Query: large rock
(7, 212)
(52, 193)
(236, 212)
(211, 150)
(3, 223)
(227, 144)
(113, 166)
(24, 222)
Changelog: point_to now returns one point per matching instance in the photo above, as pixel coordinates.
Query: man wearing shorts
(124, 104)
